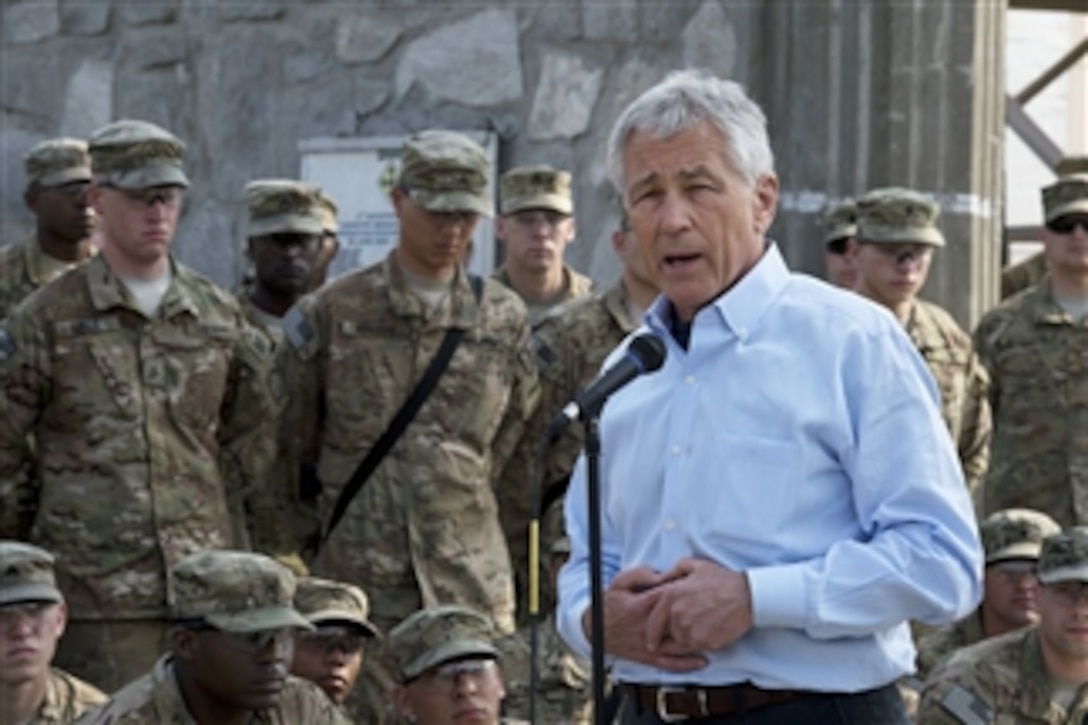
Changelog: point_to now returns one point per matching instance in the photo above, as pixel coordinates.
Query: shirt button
(676, 450)
(670, 525)
(689, 379)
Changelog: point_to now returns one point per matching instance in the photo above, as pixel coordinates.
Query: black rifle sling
(404, 416)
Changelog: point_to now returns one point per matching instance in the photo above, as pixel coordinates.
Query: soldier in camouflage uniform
(1037, 675)
(535, 228)
(286, 229)
(32, 619)
(1012, 540)
(1031, 271)
(231, 644)
(424, 529)
(57, 174)
(840, 244)
(897, 235)
(448, 668)
(332, 655)
(150, 401)
(1035, 346)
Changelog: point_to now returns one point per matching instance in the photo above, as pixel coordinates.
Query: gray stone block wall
(853, 101)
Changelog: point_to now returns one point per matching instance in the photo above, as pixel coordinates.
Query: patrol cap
(1064, 556)
(278, 206)
(1067, 195)
(535, 187)
(26, 574)
(895, 214)
(235, 591)
(841, 221)
(324, 602)
(132, 154)
(57, 161)
(1015, 534)
(328, 212)
(446, 172)
(433, 636)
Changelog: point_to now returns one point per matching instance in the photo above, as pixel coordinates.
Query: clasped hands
(668, 619)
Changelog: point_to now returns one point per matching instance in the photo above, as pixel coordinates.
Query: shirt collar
(742, 306)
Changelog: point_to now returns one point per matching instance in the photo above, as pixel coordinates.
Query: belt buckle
(663, 707)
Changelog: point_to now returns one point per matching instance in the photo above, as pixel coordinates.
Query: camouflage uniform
(1035, 354)
(233, 592)
(1004, 679)
(24, 267)
(564, 685)
(962, 382)
(424, 529)
(27, 575)
(541, 187)
(149, 431)
(895, 215)
(431, 637)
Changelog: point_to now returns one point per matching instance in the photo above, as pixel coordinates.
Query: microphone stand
(591, 421)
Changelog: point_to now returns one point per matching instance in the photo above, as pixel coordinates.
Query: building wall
(859, 93)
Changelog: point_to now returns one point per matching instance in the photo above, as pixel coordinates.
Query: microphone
(645, 354)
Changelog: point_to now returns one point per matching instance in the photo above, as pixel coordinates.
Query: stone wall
(242, 81)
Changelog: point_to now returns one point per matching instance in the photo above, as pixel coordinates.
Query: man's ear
(184, 643)
(30, 198)
(402, 702)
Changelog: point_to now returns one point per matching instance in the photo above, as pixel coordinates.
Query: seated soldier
(448, 668)
(331, 656)
(231, 645)
(1011, 539)
(1035, 675)
(32, 619)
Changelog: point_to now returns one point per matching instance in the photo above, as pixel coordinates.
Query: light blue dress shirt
(798, 439)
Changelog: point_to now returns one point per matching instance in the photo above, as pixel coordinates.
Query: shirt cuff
(571, 627)
(778, 596)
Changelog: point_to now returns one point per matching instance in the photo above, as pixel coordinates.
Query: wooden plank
(1031, 134)
(1047, 77)
(1068, 6)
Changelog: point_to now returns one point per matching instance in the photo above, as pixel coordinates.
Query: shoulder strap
(403, 417)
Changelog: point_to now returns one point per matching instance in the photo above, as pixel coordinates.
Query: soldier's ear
(184, 643)
(403, 704)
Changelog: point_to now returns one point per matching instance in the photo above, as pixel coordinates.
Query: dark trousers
(882, 705)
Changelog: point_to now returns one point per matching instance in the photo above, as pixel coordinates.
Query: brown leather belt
(675, 704)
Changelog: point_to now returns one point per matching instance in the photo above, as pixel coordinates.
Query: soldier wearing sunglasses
(231, 645)
(1037, 675)
(1035, 346)
(1012, 540)
(332, 654)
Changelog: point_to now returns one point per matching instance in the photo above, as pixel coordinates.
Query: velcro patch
(967, 708)
(7, 344)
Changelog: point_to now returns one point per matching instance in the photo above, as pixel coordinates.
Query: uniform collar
(458, 309)
(108, 292)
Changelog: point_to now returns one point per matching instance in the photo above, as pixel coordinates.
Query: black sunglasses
(1066, 224)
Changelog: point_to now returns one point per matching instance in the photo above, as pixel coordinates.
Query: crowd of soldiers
(222, 501)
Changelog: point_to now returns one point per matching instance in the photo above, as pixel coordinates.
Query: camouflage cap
(446, 172)
(322, 601)
(433, 636)
(283, 206)
(841, 221)
(58, 161)
(137, 155)
(1015, 534)
(26, 574)
(1064, 556)
(535, 187)
(328, 212)
(235, 591)
(898, 215)
(1067, 195)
